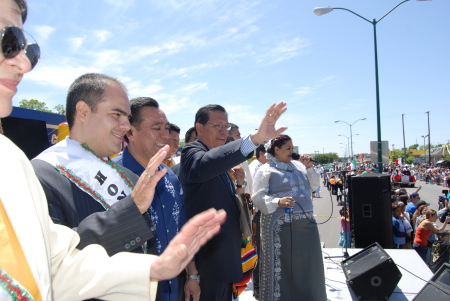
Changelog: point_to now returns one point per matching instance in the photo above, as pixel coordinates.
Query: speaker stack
(370, 210)
(371, 273)
(438, 288)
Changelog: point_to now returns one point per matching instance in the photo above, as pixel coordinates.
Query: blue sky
(246, 55)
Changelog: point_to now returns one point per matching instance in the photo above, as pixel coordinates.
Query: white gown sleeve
(264, 202)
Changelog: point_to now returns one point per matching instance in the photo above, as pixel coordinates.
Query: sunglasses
(13, 42)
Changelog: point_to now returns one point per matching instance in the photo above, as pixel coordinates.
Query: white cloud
(192, 88)
(137, 89)
(43, 31)
(76, 43)
(120, 3)
(102, 35)
(58, 75)
(283, 51)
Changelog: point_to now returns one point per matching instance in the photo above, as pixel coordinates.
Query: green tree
(400, 154)
(326, 158)
(60, 109)
(34, 104)
(414, 146)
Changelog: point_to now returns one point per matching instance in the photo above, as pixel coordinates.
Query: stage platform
(406, 289)
(337, 288)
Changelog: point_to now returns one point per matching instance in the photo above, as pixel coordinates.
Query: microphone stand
(345, 254)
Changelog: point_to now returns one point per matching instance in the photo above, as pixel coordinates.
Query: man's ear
(199, 128)
(82, 111)
(130, 133)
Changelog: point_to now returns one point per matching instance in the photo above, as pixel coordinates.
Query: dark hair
(342, 211)
(202, 115)
(403, 198)
(136, 104)
(278, 141)
(259, 149)
(188, 134)
(233, 126)
(395, 207)
(89, 88)
(22, 4)
(229, 139)
(174, 127)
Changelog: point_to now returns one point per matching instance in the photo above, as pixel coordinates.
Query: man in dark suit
(105, 203)
(206, 184)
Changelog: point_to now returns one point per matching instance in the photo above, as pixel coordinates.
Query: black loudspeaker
(370, 210)
(28, 134)
(371, 273)
(438, 288)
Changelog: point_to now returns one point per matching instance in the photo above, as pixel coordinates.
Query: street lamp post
(429, 144)
(346, 148)
(319, 11)
(404, 143)
(424, 136)
(351, 140)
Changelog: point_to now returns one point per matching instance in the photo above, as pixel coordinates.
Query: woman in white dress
(291, 265)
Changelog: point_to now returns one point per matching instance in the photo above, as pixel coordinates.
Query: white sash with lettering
(101, 178)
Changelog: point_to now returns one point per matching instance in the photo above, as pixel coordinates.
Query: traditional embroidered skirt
(291, 264)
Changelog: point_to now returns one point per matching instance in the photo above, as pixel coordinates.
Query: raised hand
(267, 128)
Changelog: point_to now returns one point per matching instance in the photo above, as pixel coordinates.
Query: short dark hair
(23, 7)
(395, 207)
(202, 115)
(278, 141)
(403, 198)
(233, 126)
(89, 88)
(174, 127)
(260, 148)
(136, 104)
(188, 134)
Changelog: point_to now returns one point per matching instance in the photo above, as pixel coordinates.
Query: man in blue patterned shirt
(148, 134)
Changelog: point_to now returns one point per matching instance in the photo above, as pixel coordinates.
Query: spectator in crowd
(206, 184)
(398, 227)
(345, 240)
(174, 142)
(405, 216)
(412, 206)
(148, 133)
(260, 160)
(420, 214)
(234, 133)
(39, 259)
(190, 136)
(440, 251)
(424, 229)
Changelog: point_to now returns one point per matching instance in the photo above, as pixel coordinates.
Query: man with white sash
(148, 134)
(38, 259)
(87, 191)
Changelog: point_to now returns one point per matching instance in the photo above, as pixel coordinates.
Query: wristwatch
(243, 185)
(195, 277)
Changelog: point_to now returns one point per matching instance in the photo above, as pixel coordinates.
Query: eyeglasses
(220, 126)
(13, 42)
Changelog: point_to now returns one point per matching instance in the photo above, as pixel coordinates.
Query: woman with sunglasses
(38, 259)
(424, 229)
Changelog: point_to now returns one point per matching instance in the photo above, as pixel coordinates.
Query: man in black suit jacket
(97, 113)
(206, 184)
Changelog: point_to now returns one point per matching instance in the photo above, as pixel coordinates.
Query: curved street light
(319, 11)
(351, 135)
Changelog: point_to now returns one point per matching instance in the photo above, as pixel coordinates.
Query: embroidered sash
(101, 178)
